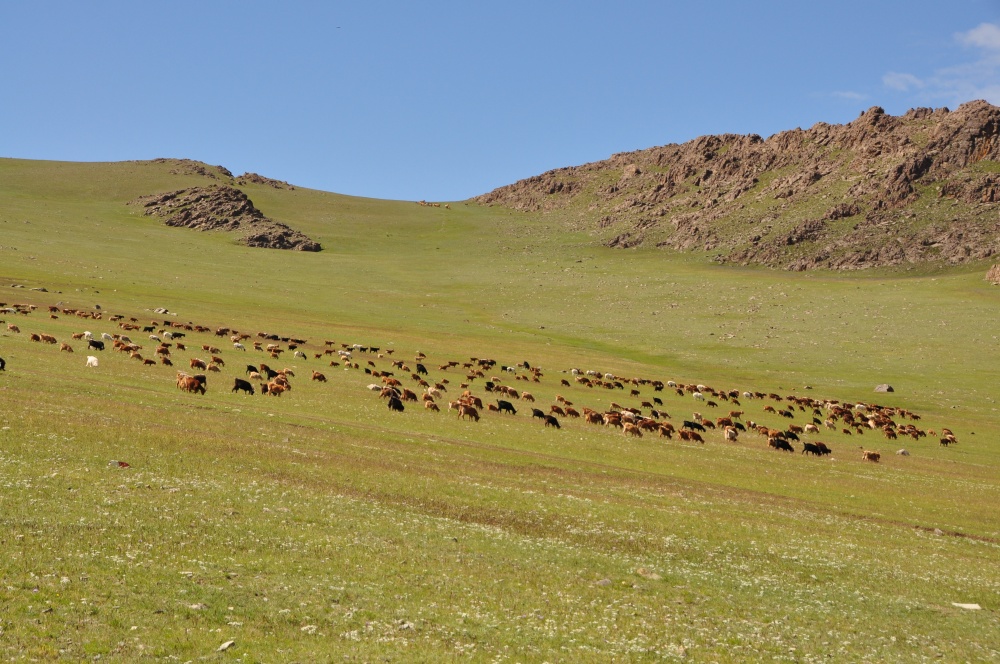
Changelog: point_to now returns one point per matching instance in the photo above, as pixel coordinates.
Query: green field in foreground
(320, 526)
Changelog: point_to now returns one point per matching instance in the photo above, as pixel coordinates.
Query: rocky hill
(881, 190)
(225, 208)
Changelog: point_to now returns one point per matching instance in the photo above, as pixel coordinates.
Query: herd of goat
(649, 418)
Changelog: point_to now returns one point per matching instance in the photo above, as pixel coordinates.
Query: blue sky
(444, 100)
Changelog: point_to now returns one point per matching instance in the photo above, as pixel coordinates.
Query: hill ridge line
(881, 190)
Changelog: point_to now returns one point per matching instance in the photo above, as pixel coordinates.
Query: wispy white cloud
(849, 94)
(901, 81)
(977, 78)
(985, 35)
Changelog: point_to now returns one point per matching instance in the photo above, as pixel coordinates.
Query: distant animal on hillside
(273, 388)
(690, 436)
(695, 426)
(242, 385)
(506, 407)
(780, 444)
(190, 384)
(811, 448)
(468, 411)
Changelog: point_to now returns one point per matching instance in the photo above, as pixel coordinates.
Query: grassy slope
(418, 536)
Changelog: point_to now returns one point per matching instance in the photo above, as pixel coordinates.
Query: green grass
(320, 526)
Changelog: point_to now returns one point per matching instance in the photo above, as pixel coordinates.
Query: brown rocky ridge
(254, 178)
(192, 167)
(221, 207)
(882, 190)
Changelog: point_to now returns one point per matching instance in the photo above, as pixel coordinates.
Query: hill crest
(881, 190)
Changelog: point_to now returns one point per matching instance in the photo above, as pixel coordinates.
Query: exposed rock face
(881, 190)
(221, 207)
(993, 275)
(191, 167)
(254, 178)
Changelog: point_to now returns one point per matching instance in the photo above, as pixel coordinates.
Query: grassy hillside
(319, 525)
(917, 189)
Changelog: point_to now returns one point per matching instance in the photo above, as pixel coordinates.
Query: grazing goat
(242, 385)
(693, 426)
(506, 407)
(190, 384)
(690, 435)
(780, 444)
(273, 388)
(468, 411)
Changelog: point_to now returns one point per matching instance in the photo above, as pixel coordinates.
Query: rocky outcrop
(881, 190)
(192, 167)
(223, 208)
(254, 178)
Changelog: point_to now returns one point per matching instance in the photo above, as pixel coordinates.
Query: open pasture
(319, 524)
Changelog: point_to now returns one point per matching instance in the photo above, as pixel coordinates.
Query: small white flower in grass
(309, 629)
